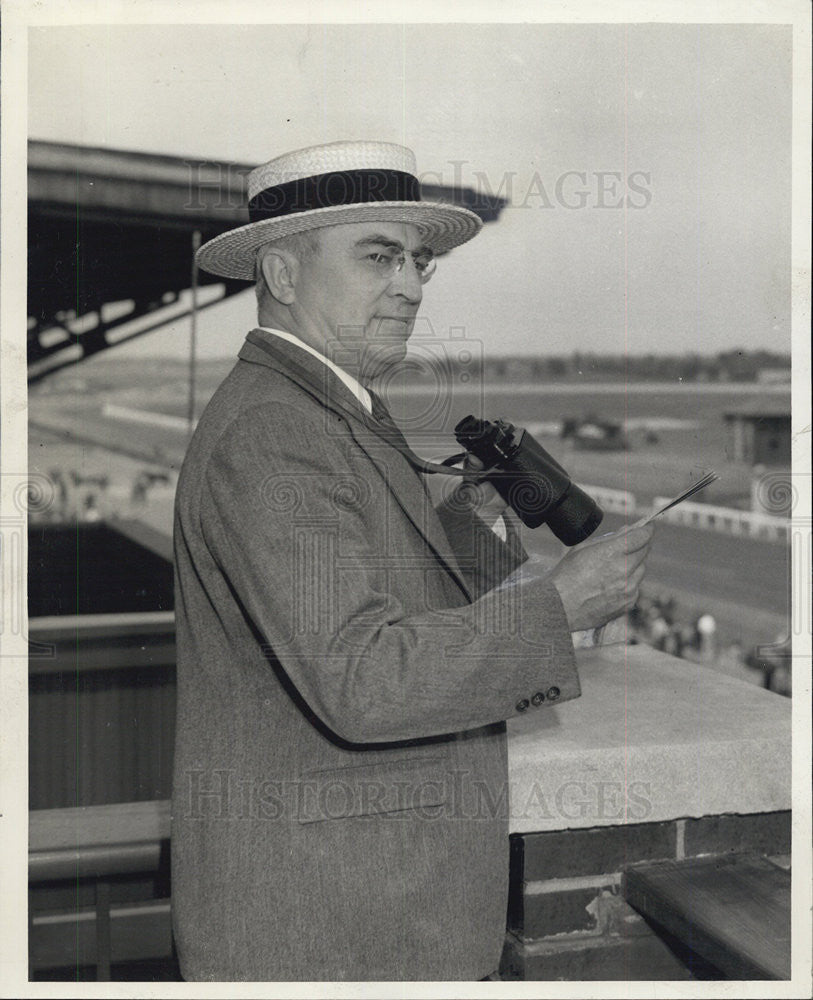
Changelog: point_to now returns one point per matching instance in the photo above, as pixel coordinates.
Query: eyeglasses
(388, 263)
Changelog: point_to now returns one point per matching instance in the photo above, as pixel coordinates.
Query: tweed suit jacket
(346, 661)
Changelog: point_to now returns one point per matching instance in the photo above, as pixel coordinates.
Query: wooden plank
(103, 642)
(107, 861)
(123, 822)
(97, 841)
(733, 910)
(54, 628)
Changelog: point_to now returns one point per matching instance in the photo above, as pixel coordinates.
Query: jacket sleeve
(485, 559)
(293, 539)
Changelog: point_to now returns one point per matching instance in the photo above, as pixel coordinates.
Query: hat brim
(442, 227)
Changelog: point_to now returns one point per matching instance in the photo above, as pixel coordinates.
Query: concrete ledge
(652, 738)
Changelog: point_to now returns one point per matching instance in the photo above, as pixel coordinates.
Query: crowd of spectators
(656, 622)
(74, 496)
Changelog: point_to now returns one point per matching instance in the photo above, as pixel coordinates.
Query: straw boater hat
(328, 185)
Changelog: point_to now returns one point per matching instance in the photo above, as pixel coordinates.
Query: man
(347, 655)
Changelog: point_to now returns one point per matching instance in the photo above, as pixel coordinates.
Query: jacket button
(553, 693)
(522, 705)
(538, 698)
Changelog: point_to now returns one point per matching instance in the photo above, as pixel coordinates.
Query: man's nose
(407, 282)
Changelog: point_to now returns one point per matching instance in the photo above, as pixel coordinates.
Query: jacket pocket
(405, 784)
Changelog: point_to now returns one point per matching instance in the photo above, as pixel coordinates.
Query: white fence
(725, 519)
(694, 515)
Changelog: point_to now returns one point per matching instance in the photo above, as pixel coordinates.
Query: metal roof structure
(112, 236)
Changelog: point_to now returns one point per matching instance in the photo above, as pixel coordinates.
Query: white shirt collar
(353, 384)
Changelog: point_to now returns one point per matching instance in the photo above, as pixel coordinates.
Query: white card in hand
(701, 484)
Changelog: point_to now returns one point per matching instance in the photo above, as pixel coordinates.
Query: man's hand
(481, 496)
(599, 580)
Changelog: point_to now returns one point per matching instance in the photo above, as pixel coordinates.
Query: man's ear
(280, 269)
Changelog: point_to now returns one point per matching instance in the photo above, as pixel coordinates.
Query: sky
(690, 122)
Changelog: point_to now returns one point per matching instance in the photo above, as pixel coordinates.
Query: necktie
(392, 432)
(383, 416)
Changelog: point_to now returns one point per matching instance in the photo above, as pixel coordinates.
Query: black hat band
(340, 187)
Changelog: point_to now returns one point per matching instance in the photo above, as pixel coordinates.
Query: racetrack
(742, 581)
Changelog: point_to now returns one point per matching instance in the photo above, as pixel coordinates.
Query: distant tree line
(110, 374)
(726, 366)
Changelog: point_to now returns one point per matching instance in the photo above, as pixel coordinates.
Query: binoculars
(529, 479)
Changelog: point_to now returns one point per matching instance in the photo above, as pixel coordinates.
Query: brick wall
(567, 919)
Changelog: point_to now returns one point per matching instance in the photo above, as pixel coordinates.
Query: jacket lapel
(404, 483)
